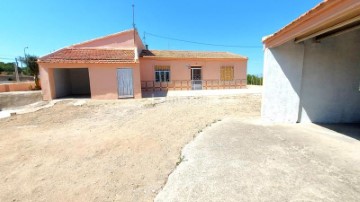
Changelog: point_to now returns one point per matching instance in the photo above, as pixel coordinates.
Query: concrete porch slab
(195, 93)
(242, 160)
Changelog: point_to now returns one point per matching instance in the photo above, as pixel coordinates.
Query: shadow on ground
(150, 94)
(351, 130)
(75, 96)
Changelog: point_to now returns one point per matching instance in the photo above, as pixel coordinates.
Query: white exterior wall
(331, 78)
(313, 82)
(62, 82)
(282, 83)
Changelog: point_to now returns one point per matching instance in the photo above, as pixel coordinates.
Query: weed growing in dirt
(181, 159)
(150, 105)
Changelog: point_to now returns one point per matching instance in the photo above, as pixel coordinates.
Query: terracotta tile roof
(189, 54)
(76, 55)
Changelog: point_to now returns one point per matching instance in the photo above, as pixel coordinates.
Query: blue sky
(47, 25)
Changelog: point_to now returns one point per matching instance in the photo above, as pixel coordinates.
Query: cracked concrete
(243, 160)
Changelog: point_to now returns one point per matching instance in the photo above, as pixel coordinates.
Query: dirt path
(104, 150)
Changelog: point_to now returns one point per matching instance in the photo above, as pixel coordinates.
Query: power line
(7, 58)
(7, 55)
(200, 43)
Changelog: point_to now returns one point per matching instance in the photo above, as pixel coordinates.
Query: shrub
(254, 79)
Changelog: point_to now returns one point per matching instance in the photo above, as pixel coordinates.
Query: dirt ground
(105, 150)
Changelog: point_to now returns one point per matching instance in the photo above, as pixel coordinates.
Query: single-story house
(312, 67)
(121, 66)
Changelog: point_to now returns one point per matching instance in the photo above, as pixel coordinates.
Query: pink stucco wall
(103, 79)
(47, 82)
(180, 68)
(120, 40)
(21, 86)
(104, 83)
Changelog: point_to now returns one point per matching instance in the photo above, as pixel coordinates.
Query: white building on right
(312, 67)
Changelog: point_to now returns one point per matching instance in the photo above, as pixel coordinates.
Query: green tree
(7, 67)
(254, 79)
(32, 67)
(26, 71)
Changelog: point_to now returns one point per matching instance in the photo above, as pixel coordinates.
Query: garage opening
(72, 82)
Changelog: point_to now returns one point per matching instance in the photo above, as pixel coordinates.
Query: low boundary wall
(18, 99)
(21, 86)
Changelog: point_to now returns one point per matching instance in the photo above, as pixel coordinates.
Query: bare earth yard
(105, 150)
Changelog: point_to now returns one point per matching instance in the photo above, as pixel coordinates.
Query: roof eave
(189, 58)
(84, 62)
(311, 20)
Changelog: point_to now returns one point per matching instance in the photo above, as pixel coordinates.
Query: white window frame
(160, 77)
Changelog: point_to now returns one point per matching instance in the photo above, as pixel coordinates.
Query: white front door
(196, 82)
(125, 82)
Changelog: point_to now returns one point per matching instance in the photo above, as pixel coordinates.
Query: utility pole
(16, 70)
(25, 52)
(25, 55)
(133, 10)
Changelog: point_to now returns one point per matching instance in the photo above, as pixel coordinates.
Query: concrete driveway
(242, 160)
